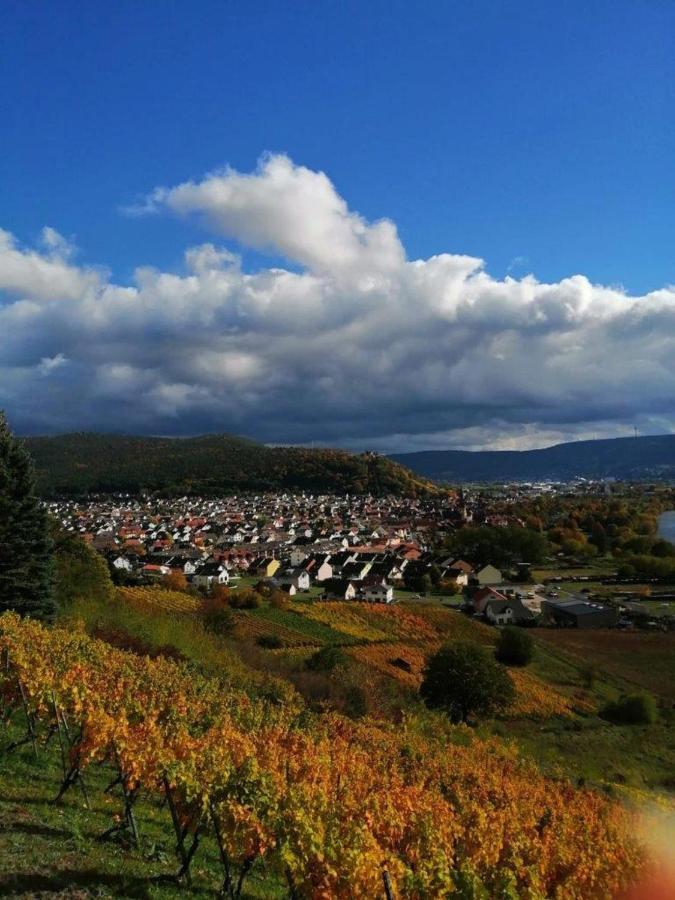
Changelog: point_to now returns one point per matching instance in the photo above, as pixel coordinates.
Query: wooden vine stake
(388, 888)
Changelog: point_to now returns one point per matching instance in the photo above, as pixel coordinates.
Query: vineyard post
(58, 729)
(129, 800)
(74, 775)
(293, 891)
(224, 859)
(180, 845)
(29, 719)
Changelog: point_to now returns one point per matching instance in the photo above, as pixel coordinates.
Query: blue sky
(508, 130)
(536, 136)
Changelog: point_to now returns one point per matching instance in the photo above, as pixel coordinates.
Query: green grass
(47, 848)
(601, 754)
(585, 748)
(653, 608)
(595, 568)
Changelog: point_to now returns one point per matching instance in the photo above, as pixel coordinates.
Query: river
(667, 525)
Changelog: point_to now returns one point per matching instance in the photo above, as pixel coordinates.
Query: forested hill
(632, 458)
(77, 464)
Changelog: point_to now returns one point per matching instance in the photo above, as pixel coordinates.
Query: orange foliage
(327, 802)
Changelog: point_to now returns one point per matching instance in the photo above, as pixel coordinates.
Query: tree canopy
(464, 680)
(501, 547)
(80, 572)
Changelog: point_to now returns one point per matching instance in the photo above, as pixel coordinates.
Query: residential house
(508, 611)
(267, 566)
(319, 567)
(338, 589)
(285, 584)
(123, 564)
(488, 575)
(211, 574)
(355, 570)
(298, 555)
(485, 595)
(376, 592)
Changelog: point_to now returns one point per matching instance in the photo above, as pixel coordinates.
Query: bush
(269, 641)
(279, 600)
(326, 659)
(589, 675)
(244, 598)
(219, 621)
(465, 680)
(632, 709)
(515, 647)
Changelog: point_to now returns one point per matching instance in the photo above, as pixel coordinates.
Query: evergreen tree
(25, 543)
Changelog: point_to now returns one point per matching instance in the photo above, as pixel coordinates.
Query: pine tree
(25, 543)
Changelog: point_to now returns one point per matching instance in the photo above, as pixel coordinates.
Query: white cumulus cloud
(352, 344)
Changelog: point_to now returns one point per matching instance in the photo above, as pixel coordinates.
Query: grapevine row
(331, 805)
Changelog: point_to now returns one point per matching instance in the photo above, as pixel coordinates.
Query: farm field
(644, 660)
(596, 569)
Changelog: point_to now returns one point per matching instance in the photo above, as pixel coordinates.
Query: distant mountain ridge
(79, 464)
(631, 458)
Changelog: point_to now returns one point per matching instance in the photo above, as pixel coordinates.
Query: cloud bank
(351, 344)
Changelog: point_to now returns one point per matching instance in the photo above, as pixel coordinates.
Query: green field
(637, 660)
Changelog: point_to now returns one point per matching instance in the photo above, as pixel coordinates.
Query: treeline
(78, 464)
(621, 525)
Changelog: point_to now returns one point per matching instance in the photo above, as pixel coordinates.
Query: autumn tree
(175, 581)
(26, 562)
(80, 572)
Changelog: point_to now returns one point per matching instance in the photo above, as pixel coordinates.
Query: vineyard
(313, 631)
(392, 640)
(157, 598)
(331, 808)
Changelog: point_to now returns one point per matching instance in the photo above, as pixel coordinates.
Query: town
(349, 548)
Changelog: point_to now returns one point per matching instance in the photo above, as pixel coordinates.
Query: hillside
(633, 458)
(273, 793)
(76, 464)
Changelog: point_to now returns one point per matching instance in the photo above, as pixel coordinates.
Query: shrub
(279, 600)
(175, 581)
(632, 709)
(515, 647)
(465, 680)
(326, 659)
(356, 702)
(269, 641)
(589, 675)
(244, 598)
(219, 621)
